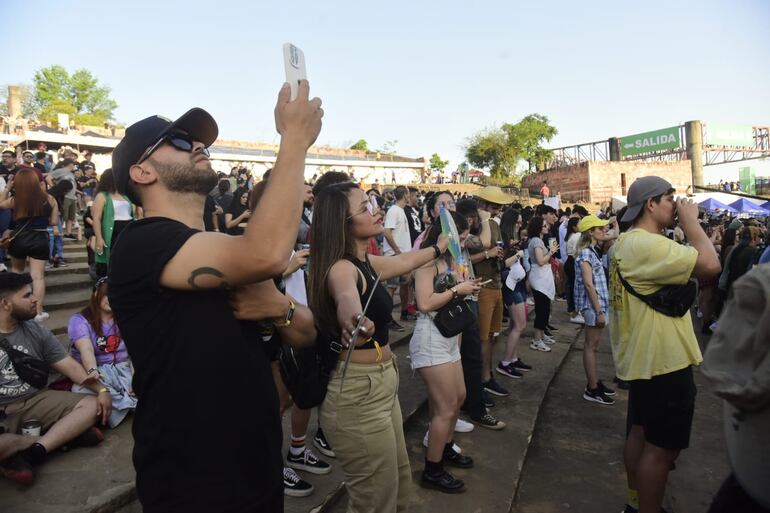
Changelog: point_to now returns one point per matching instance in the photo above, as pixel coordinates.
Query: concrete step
(66, 299)
(58, 282)
(71, 255)
(71, 268)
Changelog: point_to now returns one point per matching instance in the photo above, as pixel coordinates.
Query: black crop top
(381, 307)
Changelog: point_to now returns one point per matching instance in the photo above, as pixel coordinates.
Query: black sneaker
(489, 422)
(548, 332)
(308, 462)
(18, 469)
(621, 383)
(607, 390)
(552, 328)
(508, 370)
(322, 445)
(597, 396)
(521, 366)
(395, 326)
(494, 388)
(295, 486)
(487, 399)
(443, 482)
(455, 459)
(629, 509)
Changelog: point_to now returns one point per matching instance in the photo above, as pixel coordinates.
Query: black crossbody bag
(671, 300)
(30, 369)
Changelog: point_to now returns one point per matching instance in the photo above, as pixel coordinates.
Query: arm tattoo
(473, 242)
(206, 271)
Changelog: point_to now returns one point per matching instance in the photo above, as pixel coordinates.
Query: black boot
(455, 459)
(435, 477)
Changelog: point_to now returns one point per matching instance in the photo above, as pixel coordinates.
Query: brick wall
(606, 178)
(598, 181)
(570, 182)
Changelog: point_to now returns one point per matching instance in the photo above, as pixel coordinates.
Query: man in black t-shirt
(8, 164)
(413, 215)
(207, 432)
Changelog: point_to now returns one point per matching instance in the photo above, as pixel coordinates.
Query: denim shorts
(516, 296)
(590, 316)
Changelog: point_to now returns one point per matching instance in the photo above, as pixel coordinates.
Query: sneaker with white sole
(577, 319)
(426, 438)
(508, 370)
(597, 396)
(539, 345)
(463, 426)
(308, 462)
(319, 440)
(295, 486)
(548, 339)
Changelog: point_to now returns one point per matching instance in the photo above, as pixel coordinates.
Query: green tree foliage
(501, 149)
(437, 164)
(361, 145)
(79, 95)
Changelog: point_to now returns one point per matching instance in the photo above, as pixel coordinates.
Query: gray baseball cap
(640, 191)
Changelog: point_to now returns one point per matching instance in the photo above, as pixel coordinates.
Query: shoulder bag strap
(631, 289)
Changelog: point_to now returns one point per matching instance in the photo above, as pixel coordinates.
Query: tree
(361, 145)
(501, 149)
(437, 164)
(79, 95)
(389, 147)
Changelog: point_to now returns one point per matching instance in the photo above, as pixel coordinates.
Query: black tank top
(381, 306)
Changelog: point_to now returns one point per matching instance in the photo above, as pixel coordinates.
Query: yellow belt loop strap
(379, 350)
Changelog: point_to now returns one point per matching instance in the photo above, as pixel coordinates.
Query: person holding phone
(437, 359)
(361, 419)
(168, 288)
(542, 281)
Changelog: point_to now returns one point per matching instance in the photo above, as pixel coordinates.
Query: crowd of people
(234, 296)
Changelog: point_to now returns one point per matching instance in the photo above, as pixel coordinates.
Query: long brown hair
(331, 241)
(29, 198)
(92, 313)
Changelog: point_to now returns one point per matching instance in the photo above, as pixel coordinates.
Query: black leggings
(542, 310)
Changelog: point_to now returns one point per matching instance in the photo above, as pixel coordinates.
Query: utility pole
(693, 136)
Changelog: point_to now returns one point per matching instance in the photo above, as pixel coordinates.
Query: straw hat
(493, 194)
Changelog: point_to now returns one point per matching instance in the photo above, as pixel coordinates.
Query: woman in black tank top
(362, 416)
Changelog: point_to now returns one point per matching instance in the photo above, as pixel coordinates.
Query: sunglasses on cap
(101, 281)
(182, 142)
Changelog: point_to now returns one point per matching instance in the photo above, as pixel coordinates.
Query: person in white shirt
(397, 241)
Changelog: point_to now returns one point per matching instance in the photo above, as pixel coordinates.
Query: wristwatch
(289, 315)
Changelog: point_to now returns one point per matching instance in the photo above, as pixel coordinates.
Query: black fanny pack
(28, 368)
(306, 371)
(454, 317)
(671, 300)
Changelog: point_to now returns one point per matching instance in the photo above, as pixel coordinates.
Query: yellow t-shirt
(647, 343)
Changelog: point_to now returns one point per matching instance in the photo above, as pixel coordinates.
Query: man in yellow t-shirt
(653, 351)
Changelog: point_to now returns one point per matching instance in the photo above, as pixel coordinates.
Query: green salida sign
(657, 140)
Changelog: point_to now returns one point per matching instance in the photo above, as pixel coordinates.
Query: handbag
(671, 300)
(454, 317)
(29, 369)
(5, 242)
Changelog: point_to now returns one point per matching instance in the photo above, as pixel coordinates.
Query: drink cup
(31, 427)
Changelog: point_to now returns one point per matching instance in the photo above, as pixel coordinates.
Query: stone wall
(570, 182)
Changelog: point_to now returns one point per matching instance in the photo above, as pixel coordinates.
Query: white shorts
(429, 347)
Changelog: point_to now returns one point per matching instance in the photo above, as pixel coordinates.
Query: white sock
(506, 363)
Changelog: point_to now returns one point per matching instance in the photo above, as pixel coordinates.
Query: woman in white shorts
(437, 359)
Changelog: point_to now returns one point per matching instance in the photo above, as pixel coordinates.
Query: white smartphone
(294, 64)
(486, 282)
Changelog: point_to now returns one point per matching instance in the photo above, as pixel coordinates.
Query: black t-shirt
(235, 210)
(207, 432)
(4, 172)
(208, 210)
(414, 220)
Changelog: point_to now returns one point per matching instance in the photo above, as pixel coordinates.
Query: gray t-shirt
(62, 174)
(35, 340)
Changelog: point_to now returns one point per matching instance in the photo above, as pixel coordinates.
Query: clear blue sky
(428, 74)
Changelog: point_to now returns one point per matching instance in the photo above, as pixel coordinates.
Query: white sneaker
(3, 268)
(425, 443)
(548, 340)
(577, 319)
(41, 316)
(463, 426)
(530, 301)
(539, 345)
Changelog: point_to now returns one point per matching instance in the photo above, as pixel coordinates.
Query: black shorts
(664, 407)
(30, 243)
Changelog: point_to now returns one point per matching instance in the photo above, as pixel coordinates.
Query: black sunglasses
(182, 142)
